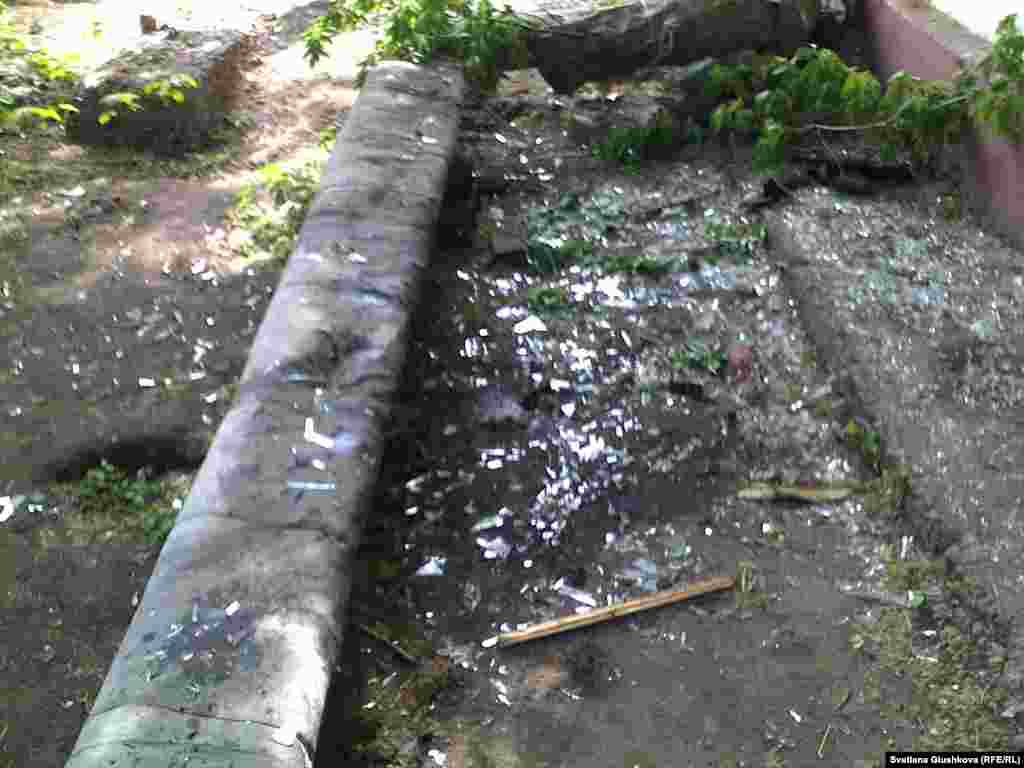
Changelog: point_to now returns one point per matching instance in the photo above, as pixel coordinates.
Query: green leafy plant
(735, 241)
(272, 209)
(698, 355)
(779, 100)
(633, 146)
(638, 264)
(60, 78)
(544, 299)
(158, 92)
(552, 240)
(867, 441)
(109, 490)
(422, 31)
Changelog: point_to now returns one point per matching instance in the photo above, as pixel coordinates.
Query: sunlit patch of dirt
(177, 230)
(285, 120)
(67, 153)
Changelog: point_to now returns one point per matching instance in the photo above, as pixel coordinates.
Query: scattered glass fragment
(312, 436)
(575, 594)
(147, 382)
(494, 549)
(428, 140)
(501, 139)
(232, 608)
(7, 507)
(210, 398)
(439, 757)
(301, 377)
(196, 375)
(412, 511)
(450, 430)
(491, 521)
(312, 486)
(433, 567)
(532, 323)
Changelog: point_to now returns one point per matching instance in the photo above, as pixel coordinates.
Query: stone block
(214, 59)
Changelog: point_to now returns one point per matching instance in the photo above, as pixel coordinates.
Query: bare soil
(120, 267)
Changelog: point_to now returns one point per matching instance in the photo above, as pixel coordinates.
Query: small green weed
(485, 40)
(947, 696)
(547, 299)
(735, 241)
(638, 264)
(273, 218)
(560, 235)
(697, 355)
(866, 441)
(633, 146)
(109, 490)
(912, 575)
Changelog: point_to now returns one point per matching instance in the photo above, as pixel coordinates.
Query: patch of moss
(959, 713)
(884, 496)
(906, 575)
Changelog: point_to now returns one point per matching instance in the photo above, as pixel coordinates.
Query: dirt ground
(660, 393)
(118, 268)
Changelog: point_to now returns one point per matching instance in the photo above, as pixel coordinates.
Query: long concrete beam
(229, 656)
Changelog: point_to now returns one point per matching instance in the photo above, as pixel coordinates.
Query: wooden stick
(600, 615)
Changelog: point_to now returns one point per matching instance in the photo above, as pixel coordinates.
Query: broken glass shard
(433, 567)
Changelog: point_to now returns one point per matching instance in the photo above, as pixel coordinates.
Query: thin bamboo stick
(600, 615)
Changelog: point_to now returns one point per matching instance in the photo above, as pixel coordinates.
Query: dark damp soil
(573, 439)
(531, 475)
(125, 319)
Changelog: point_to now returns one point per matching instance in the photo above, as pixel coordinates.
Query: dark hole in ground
(161, 454)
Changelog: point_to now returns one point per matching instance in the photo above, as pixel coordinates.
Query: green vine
(485, 40)
(778, 100)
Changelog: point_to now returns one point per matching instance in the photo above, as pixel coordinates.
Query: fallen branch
(811, 494)
(601, 615)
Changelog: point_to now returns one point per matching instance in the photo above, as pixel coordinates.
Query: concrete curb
(229, 656)
(962, 507)
(931, 45)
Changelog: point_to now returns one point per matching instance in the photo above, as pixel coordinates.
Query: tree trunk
(584, 42)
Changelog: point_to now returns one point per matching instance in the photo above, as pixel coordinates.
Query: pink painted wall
(930, 45)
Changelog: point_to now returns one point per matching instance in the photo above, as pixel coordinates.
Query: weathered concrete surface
(936, 371)
(580, 41)
(214, 59)
(229, 655)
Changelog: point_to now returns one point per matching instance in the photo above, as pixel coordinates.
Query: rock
(214, 59)
(495, 407)
(741, 362)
